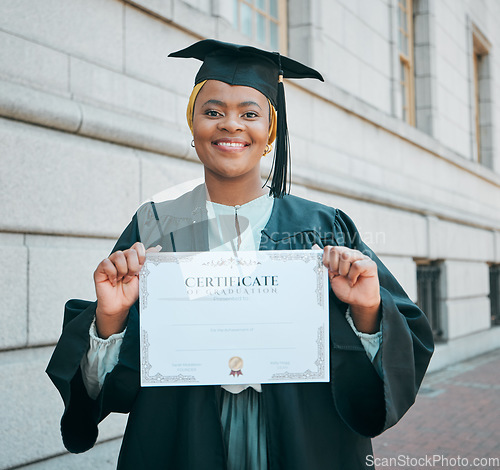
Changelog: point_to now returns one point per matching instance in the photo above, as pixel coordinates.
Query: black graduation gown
(315, 426)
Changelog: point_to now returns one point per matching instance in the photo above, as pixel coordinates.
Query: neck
(233, 193)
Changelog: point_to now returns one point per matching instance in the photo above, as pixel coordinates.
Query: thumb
(154, 249)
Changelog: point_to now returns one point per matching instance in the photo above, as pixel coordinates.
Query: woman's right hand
(116, 282)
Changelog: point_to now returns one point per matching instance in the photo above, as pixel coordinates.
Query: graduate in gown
(380, 342)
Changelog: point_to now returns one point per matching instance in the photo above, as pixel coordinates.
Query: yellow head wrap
(190, 111)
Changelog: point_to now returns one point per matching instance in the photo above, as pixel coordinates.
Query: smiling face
(230, 130)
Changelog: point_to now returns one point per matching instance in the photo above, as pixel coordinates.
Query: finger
(346, 256)
(326, 256)
(132, 263)
(128, 278)
(331, 259)
(120, 261)
(135, 265)
(363, 267)
(345, 260)
(154, 249)
(106, 271)
(141, 252)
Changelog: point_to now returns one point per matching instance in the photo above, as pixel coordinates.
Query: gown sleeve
(100, 360)
(82, 413)
(370, 341)
(371, 402)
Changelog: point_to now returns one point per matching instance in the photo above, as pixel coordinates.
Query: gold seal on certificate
(236, 364)
(201, 313)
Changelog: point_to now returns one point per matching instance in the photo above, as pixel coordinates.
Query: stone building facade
(401, 136)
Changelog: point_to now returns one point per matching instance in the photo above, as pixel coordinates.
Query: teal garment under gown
(244, 429)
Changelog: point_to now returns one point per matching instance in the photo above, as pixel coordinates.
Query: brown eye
(212, 113)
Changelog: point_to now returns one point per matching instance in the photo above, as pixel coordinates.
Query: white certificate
(218, 318)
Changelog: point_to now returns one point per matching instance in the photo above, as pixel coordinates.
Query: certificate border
(191, 379)
(159, 378)
(308, 374)
(158, 258)
(144, 286)
(306, 257)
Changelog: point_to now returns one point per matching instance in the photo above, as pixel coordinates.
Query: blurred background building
(402, 136)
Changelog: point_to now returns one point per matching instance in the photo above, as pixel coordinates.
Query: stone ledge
(463, 348)
(350, 103)
(37, 158)
(26, 104)
(35, 106)
(497, 247)
(162, 9)
(364, 192)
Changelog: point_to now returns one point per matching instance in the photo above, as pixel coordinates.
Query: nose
(231, 123)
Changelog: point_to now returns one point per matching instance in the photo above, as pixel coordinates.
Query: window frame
(431, 304)
(281, 22)
(480, 53)
(406, 62)
(494, 294)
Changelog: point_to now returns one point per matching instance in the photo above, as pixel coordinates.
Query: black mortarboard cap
(263, 70)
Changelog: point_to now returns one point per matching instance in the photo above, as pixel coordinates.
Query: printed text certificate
(215, 318)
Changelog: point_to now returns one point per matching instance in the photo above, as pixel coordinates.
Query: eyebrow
(249, 103)
(241, 105)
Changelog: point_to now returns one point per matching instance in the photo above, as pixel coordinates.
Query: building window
(424, 55)
(482, 103)
(406, 60)
(264, 21)
(429, 295)
(495, 294)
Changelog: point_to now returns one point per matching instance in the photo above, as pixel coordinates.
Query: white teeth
(231, 144)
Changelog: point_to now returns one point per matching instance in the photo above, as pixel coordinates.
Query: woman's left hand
(354, 280)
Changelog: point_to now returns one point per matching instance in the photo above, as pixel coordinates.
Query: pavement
(454, 424)
(101, 457)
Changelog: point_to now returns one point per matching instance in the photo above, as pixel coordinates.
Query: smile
(230, 144)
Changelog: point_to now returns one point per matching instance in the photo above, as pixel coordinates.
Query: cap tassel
(281, 159)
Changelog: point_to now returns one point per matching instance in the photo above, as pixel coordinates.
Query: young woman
(380, 342)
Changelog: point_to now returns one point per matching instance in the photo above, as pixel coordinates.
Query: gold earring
(267, 149)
